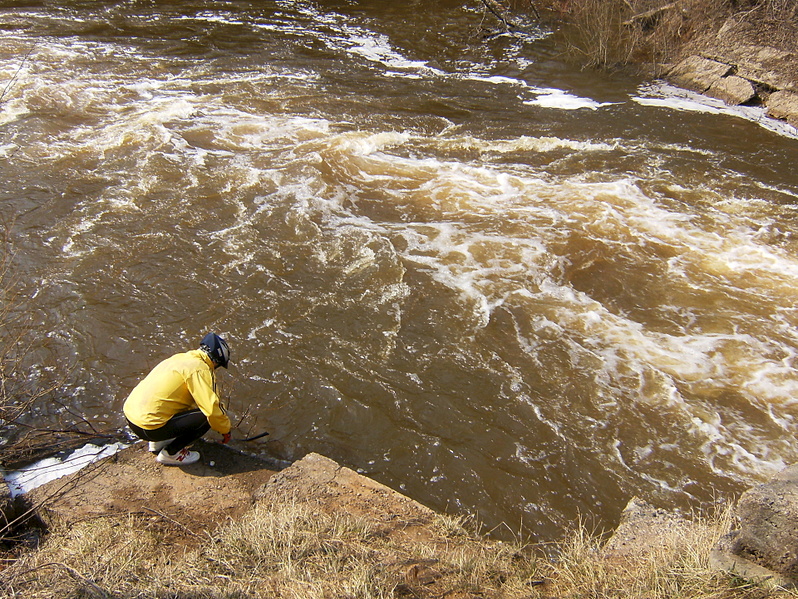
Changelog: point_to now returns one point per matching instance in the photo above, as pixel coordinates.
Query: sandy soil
(195, 500)
(186, 505)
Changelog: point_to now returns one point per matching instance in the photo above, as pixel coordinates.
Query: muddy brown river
(462, 266)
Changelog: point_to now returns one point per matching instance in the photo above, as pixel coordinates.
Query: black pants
(185, 427)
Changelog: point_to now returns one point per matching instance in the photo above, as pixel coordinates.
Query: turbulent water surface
(459, 265)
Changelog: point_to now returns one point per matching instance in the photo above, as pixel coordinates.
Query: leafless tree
(502, 13)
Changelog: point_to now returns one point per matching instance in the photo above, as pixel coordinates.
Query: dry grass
(607, 33)
(289, 549)
(678, 568)
(280, 549)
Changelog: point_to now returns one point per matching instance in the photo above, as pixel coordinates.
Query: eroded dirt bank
(128, 526)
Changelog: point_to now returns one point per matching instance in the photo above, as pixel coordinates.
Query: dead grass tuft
(300, 551)
(677, 568)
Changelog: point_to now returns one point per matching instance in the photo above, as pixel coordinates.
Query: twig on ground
(94, 589)
(173, 521)
(650, 15)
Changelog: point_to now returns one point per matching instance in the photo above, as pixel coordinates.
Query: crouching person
(176, 403)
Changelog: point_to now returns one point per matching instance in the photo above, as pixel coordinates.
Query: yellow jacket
(178, 384)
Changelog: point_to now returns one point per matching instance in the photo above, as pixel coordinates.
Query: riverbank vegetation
(609, 33)
(35, 421)
(286, 549)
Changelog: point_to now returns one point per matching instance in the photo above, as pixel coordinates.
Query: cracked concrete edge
(323, 481)
(642, 529)
(721, 559)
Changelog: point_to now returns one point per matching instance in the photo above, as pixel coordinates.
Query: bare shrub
(35, 418)
(781, 10)
(620, 32)
(600, 35)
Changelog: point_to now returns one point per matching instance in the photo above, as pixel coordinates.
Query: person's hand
(226, 438)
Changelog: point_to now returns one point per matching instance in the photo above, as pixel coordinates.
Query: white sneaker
(181, 458)
(156, 446)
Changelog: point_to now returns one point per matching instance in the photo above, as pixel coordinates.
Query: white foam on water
(7, 149)
(12, 110)
(33, 476)
(649, 146)
(239, 131)
(562, 100)
(340, 35)
(208, 16)
(13, 74)
(620, 211)
(147, 127)
(668, 96)
(524, 143)
(545, 97)
(360, 144)
(775, 382)
(448, 250)
(780, 190)
(498, 80)
(657, 482)
(377, 48)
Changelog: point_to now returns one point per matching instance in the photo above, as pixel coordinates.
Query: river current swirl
(478, 274)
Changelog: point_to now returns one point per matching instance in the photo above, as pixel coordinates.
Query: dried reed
(608, 33)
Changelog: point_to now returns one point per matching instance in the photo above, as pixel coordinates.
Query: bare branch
(92, 587)
(499, 11)
(16, 74)
(650, 15)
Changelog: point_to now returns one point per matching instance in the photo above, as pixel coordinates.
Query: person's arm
(200, 385)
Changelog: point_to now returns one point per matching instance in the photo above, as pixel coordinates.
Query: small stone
(643, 529)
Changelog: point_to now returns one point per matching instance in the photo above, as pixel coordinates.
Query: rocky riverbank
(743, 53)
(235, 525)
(742, 71)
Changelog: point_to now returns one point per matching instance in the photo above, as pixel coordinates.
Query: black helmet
(216, 348)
